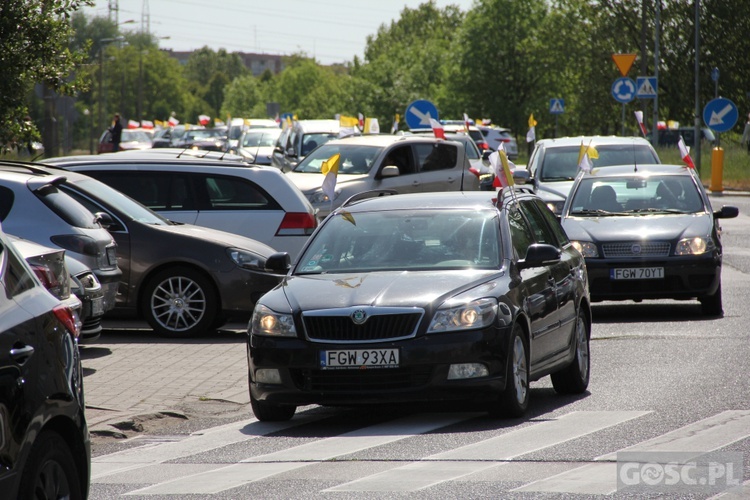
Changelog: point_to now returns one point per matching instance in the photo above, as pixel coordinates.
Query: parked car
(163, 137)
(406, 164)
(44, 440)
(424, 297)
(253, 201)
(206, 139)
(33, 206)
(301, 138)
(494, 136)
(553, 164)
(256, 145)
(670, 137)
(238, 126)
(130, 139)
(648, 232)
(184, 280)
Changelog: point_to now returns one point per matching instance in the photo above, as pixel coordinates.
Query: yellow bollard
(717, 170)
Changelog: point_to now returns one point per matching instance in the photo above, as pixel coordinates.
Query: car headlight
(266, 321)
(694, 246)
(246, 259)
(586, 248)
(555, 206)
(478, 313)
(321, 197)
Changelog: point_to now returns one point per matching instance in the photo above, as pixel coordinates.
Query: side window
(233, 193)
(534, 161)
(539, 226)
(148, 188)
(292, 143)
(519, 232)
(439, 156)
(554, 224)
(7, 197)
(401, 157)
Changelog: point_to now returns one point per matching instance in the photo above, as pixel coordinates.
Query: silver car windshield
(404, 240)
(354, 159)
(561, 163)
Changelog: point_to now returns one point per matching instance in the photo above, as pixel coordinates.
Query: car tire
(180, 302)
(574, 379)
(270, 412)
(711, 305)
(50, 471)
(514, 400)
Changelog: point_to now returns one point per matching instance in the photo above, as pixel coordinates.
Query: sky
(331, 31)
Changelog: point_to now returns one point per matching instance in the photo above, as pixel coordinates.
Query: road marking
(699, 437)
(485, 454)
(264, 466)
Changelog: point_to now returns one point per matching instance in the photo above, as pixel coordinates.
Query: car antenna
(635, 159)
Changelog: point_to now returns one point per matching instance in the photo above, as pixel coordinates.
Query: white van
(300, 139)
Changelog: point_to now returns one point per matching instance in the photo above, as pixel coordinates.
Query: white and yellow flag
(585, 155)
(330, 168)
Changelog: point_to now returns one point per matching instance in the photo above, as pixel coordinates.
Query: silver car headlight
(246, 259)
(266, 321)
(586, 248)
(694, 246)
(478, 313)
(321, 197)
(555, 206)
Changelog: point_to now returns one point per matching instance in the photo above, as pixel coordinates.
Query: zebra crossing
(168, 468)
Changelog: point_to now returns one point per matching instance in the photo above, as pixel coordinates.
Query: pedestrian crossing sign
(556, 106)
(646, 87)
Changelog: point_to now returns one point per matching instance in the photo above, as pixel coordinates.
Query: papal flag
(330, 168)
(501, 168)
(371, 126)
(585, 155)
(531, 134)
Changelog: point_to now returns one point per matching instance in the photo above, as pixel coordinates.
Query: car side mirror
(279, 263)
(727, 212)
(390, 171)
(104, 219)
(521, 176)
(540, 254)
(290, 153)
(486, 154)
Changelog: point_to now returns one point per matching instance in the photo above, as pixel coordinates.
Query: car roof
(313, 126)
(419, 201)
(594, 140)
(381, 140)
(154, 155)
(645, 170)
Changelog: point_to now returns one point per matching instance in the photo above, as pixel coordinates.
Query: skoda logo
(359, 316)
(636, 249)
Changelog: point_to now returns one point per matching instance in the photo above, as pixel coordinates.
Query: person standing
(116, 131)
(746, 134)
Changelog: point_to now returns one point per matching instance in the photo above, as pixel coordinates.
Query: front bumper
(685, 277)
(422, 374)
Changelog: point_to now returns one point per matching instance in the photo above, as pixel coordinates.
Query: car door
(438, 166)
(408, 180)
(541, 302)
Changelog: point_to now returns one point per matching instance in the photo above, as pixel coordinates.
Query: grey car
(32, 206)
(184, 280)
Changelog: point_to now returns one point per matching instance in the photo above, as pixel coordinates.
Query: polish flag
(204, 119)
(685, 153)
(467, 122)
(147, 124)
(639, 117)
(437, 128)
(133, 124)
(173, 121)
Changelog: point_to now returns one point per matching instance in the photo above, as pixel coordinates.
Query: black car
(423, 297)
(648, 232)
(44, 441)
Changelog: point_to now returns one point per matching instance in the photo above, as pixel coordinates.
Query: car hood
(219, 237)
(623, 228)
(395, 288)
(560, 188)
(311, 182)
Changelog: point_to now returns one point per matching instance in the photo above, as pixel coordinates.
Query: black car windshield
(354, 159)
(561, 163)
(635, 195)
(404, 240)
(90, 191)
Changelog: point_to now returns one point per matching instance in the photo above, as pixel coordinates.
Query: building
(256, 63)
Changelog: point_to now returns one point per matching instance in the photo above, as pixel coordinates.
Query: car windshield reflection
(354, 159)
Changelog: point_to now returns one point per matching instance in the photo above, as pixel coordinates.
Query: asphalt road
(664, 378)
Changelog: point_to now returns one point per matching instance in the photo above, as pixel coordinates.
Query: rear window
(66, 207)
(561, 163)
(436, 156)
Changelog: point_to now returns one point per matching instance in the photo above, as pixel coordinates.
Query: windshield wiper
(554, 179)
(594, 211)
(656, 210)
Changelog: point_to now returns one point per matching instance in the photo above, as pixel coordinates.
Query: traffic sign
(720, 114)
(557, 106)
(715, 74)
(418, 114)
(645, 87)
(623, 89)
(623, 62)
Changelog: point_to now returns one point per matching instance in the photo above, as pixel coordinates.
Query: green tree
(34, 37)
(209, 72)
(309, 90)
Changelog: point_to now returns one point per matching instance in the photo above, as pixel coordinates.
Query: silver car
(32, 207)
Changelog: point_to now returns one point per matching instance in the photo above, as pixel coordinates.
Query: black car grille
(636, 249)
(357, 380)
(338, 325)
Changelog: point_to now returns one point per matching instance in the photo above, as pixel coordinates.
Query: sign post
(556, 107)
(720, 115)
(623, 90)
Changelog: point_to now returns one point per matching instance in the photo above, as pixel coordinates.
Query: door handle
(21, 354)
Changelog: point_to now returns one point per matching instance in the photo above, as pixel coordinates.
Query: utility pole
(697, 138)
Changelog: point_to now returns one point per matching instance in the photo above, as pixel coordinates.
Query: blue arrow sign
(623, 90)
(418, 114)
(720, 114)
(557, 106)
(645, 87)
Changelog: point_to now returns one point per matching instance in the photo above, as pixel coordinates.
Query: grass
(735, 169)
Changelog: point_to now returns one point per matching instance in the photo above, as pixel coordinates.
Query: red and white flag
(204, 119)
(437, 128)
(467, 122)
(685, 153)
(173, 121)
(361, 121)
(133, 124)
(639, 117)
(147, 124)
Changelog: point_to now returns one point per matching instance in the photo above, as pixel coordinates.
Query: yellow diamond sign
(624, 62)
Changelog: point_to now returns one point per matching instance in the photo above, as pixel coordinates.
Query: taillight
(475, 171)
(77, 243)
(46, 276)
(69, 318)
(504, 139)
(483, 145)
(297, 224)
